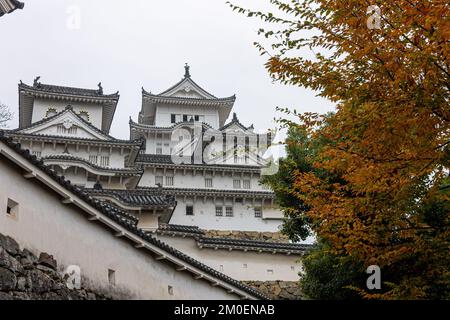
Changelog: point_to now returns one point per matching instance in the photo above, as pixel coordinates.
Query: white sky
(144, 43)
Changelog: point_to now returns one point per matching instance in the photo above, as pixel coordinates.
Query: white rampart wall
(44, 223)
(244, 266)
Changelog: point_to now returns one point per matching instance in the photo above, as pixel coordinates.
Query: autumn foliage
(386, 151)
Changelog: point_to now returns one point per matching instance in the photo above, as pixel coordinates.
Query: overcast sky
(144, 43)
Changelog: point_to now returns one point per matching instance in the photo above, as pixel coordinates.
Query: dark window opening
(189, 210)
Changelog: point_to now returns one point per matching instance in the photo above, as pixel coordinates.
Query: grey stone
(8, 280)
(9, 262)
(47, 260)
(40, 282)
(5, 296)
(9, 244)
(21, 283)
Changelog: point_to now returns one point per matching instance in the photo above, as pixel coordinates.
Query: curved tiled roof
(204, 241)
(181, 228)
(167, 159)
(125, 220)
(8, 6)
(254, 244)
(70, 157)
(68, 90)
(28, 93)
(178, 124)
(239, 192)
(136, 197)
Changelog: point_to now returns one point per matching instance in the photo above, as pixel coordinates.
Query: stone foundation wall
(24, 276)
(248, 235)
(277, 290)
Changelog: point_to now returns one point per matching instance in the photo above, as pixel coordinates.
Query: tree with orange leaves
(386, 66)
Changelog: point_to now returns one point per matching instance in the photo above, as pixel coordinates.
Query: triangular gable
(65, 124)
(187, 88)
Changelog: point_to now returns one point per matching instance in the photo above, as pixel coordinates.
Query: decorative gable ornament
(67, 123)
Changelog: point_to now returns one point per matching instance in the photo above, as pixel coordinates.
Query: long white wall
(44, 223)
(163, 114)
(244, 266)
(197, 180)
(243, 218)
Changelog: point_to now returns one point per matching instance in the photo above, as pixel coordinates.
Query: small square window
(112, 277)
(246, 184)
(208, 183)
(270, 271)
(219, 211)
(236, 184)
(189, 210)
(258, 212)
(169, 181)
(159, 180)
(229, 211)
(12, 208)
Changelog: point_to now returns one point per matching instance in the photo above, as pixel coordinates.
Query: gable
(65, 124)
(187, 88)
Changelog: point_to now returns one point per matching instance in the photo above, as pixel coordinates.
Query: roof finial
(235, 116)
(36, 82)
(186, 71)
(100, 88)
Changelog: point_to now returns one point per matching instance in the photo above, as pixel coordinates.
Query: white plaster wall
(205, 216)
(197, 181)
(116, 160)
(163, 112)
(246, 266)
(41, 106)
(45, 224)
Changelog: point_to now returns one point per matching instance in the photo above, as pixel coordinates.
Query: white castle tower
(191, 179)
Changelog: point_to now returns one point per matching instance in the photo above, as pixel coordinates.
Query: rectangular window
(159, 180)
(93, 159)
(189, 210)
(229, 211)
(12, 208)
(258, 212)
(169, 181)
(104, 161)
(159, 148)
(172, 118)
(208, 183)
(185, 117)
(219, 211)
(112, 277)
(196, 118)
(236, 183)
(36, 153)
(246, 184)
